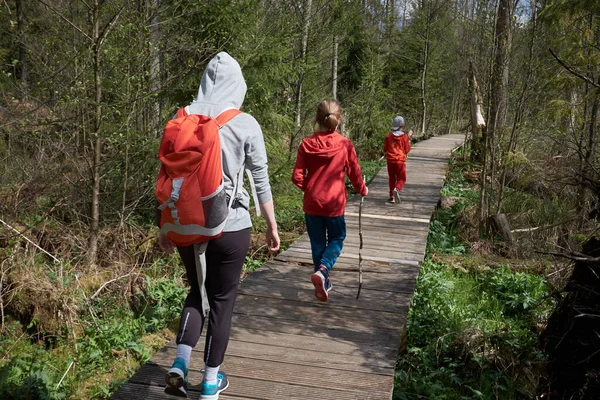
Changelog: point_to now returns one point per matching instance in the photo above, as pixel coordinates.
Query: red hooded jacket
(322, 163)
(396, 147)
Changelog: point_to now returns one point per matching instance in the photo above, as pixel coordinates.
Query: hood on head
(222, 82)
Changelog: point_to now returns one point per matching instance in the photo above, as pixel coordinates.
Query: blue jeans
(327, 236)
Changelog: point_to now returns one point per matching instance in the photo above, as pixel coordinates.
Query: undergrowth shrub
(107, 339)
(473, 325)
(472, 334)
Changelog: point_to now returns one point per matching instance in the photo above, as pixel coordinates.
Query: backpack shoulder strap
(181, 113)
(226, 116)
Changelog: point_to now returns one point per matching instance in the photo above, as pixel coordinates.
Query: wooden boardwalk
(286, 345)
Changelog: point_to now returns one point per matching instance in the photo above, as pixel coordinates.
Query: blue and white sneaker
(322, 283)
(211, 392)
(176, 379)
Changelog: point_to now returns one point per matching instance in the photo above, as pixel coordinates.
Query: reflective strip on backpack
(192, 229)
(177, 183)
(216, 192)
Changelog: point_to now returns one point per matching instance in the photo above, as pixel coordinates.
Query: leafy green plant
(252, 264)
(471, 333)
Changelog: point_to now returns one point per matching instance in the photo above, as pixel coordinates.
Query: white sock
(210, 374)
(184, 352)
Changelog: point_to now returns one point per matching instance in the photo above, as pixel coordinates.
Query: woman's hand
(410, 134)
(272, 240)
(165, 243)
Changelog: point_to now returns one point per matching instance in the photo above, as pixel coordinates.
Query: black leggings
(224, 261)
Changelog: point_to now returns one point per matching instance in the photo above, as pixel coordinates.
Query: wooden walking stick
(360, 235)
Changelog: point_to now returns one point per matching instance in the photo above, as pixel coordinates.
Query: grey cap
(397, 123)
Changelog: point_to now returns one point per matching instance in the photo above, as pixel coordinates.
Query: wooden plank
(351, 258)
(259, 386)
(375, 360)
(352, 246)
(152, 391)
(383, 277)
(309, 342)
(317, 329)
(340, 295)
(389, 217)
(333, 312)
(279, 371)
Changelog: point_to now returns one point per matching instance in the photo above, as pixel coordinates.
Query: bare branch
(66, 20)
(26, 238)
(574, 256)
(109, 26)
(87, 5)
(107, 283)
(572, 70)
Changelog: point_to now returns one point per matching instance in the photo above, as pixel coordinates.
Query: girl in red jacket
(396, 147)
(322, 163)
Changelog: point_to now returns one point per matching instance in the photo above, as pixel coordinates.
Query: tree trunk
(23, 76)
(305, 31)
(499, 90)
(95, 203)
(584, 155)
(334, 68)
(477, 121)
(155, 66)
(424, 73)
(500, 225)
(514, 134)
(97, 39)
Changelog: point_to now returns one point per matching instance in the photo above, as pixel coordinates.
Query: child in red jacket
(322, 163)
(396, 147)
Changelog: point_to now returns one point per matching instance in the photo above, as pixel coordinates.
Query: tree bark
(334, 72)
(477, 121)
(514, 135)
(155, 66)
(23, 75)
(424, 72)
(95, 203)
(499, 89)
(305, 32)
(97, 40)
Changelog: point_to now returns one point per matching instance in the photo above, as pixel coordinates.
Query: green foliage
(31, 371)
(444, 231)
(442, 240)
(164, 301)
(252, 264)
(470, 334)
(111, 329)
(517, 292)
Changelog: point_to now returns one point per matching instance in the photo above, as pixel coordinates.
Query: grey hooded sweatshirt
(242, 145)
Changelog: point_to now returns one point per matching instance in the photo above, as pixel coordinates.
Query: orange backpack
(189, 190)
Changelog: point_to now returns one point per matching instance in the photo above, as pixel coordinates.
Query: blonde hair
(329, 114)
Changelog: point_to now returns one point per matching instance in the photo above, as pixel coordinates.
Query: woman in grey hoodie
(242, 146)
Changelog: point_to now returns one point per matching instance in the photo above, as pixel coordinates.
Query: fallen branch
(65, 374)
(540, 227)
(108, 283)
(573, 256)
(26, 238)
